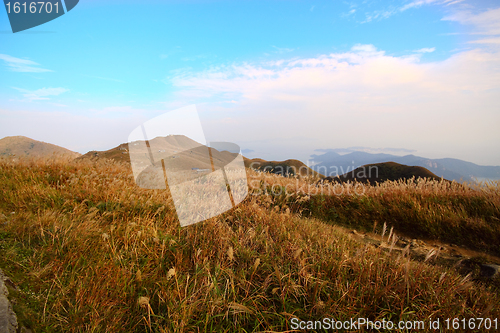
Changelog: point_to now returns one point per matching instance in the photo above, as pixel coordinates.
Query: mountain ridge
(448, 168)
(22, 146)
(290, 167)
(387, 171)
(172, 145)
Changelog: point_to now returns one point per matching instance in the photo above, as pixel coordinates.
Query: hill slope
(178, 151)
(189, 154)
(285, 168)
(381, 172)
(123, 264)
(23, 146)
(118, 153)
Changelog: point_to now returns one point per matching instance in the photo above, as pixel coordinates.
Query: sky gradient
(280, 78)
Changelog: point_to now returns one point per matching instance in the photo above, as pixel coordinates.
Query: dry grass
(463, 214)
(92, 252)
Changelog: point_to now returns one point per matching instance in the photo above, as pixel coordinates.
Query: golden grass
(90, 251)
(464, 214)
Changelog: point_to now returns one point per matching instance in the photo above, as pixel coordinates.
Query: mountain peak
(23, 146)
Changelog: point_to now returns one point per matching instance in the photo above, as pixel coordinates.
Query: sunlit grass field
(90, 251)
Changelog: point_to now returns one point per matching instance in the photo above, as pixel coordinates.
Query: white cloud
(426, 50)
(419, 3)
(380, 14)
(495, 40)
(393, 10)
(349, 13)
(485, 26)
(22, 65)
(355, 97)
(41, 94)
(484, 23)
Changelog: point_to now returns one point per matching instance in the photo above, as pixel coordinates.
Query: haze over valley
(331, 163)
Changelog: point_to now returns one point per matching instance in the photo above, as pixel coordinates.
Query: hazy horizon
(310, 159)
(280, 79)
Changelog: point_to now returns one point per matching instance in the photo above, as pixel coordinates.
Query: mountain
(380, 172)
(183, 153)
(118, 153)
(22, 146)
(284, 168)
(334, 164)
(179, 152)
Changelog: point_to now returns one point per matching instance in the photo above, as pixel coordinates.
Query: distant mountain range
(173, 145)
(20, 146)
(330, 163)
(334, 164)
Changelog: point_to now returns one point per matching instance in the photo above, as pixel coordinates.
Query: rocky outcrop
(482, 267)
(8, 319)
(490, 270)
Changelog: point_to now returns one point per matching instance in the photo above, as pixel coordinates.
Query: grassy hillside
(118, 153)
(381, 172)
(191, 155)
(90, 251)
(284, 168)
(21, 146)
(178, 151)
(168, 145)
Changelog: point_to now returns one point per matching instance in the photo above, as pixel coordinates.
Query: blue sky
(281, 78)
